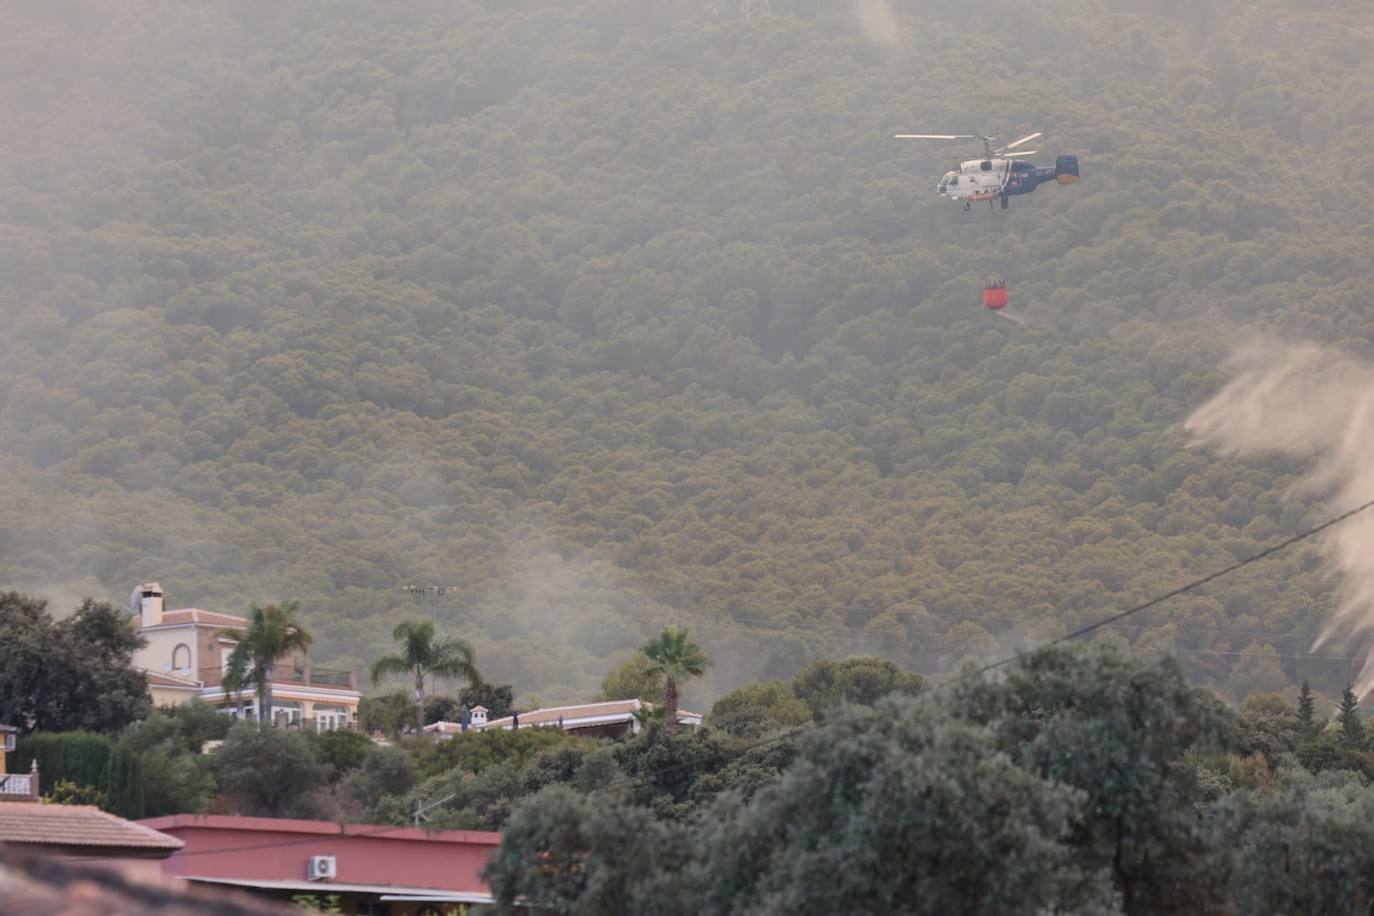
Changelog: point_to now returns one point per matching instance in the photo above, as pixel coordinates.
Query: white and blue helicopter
(1001, 173)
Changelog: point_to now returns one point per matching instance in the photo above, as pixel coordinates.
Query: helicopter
(1001, 173)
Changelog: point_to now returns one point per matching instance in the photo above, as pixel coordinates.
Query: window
(181, 657)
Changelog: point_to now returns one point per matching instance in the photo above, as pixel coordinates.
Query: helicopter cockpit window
(986, 165)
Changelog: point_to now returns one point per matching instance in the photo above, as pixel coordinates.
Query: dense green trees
(270, 772)
(820, 689)
(899, 809)
(1117, 729)
(1081, 780)
(1306, 848)
(616, 317)
(567, 853)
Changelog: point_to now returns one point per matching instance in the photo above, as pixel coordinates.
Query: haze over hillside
(611, 314)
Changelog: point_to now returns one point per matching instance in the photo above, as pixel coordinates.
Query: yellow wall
(166, 696)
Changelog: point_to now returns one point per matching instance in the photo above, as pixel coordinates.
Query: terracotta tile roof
(583, 711)
(196, 615)
(77, 825)
(165, 679)
(42, 885)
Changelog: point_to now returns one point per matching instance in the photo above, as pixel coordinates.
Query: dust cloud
(1316, 403)
(880, 24)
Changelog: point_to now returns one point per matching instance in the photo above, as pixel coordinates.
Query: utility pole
(428, 596)
(420, 809)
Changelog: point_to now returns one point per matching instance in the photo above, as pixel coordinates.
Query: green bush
(82, 758)
(87, 764)
(341, 751)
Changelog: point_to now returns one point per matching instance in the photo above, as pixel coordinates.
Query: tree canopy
(615, 315)
(69, 674)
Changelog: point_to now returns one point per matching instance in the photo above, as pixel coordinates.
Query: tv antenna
(428, 596)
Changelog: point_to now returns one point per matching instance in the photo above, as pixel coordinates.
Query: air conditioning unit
(321, 867)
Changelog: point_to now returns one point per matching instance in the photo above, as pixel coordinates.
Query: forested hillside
(610, 313)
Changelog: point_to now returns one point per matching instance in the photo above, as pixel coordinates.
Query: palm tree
(272, 632)
(677, 658)
(421, 656)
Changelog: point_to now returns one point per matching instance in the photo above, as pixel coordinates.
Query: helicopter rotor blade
(933, 137)
(1018, 153)
(1038, 133)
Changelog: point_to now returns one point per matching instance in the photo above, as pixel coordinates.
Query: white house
(608, 719)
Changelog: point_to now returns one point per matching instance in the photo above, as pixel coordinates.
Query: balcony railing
(319, 677)
(294, 674)
(19, 786)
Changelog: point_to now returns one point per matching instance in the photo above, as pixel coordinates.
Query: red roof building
(41, 885)
(407, 869)
(84, 833)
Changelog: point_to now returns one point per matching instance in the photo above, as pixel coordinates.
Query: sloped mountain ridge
(611, 315)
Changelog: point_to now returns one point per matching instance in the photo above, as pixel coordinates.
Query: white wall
(157, 655)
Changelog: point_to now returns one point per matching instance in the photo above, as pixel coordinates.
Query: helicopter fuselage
(997, 177)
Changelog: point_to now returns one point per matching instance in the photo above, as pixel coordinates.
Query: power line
(1198, 583)
(1082, 631)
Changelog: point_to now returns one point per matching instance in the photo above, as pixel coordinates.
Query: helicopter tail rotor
(1066, 169)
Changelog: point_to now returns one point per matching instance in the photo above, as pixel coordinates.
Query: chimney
(150, 604)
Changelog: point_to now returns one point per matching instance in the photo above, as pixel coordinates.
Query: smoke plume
(879, 23)
(1316, 403)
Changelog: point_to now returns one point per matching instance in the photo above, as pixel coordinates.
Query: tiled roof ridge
(633, 702)
(177, 680)
(587, 709)
(77, 825)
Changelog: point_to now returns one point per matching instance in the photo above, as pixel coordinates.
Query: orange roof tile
(43, 885)
(77, 825)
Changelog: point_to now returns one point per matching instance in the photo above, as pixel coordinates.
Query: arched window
(181, 657)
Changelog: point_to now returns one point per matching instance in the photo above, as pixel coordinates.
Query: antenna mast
(428, 596)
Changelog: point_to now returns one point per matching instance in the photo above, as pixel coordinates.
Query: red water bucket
(995, 297)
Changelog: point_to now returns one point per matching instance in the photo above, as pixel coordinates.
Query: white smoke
(1311, 402)
(880, 24)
